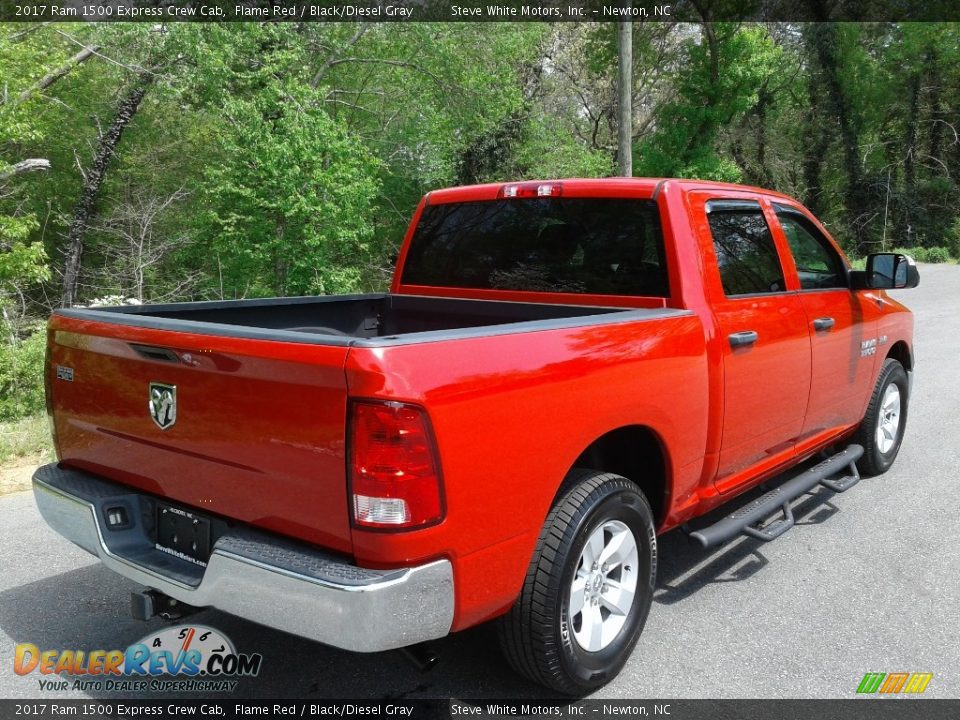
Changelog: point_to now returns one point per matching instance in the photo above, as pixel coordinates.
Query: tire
(881, 431)
(543, 637)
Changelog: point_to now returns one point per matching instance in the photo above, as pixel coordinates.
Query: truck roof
(587, 187)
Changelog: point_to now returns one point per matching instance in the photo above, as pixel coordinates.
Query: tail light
(531, 190)
(394, 470)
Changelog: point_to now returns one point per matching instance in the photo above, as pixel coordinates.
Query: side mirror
(888, 271)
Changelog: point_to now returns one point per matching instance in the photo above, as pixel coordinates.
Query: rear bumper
(255, 575)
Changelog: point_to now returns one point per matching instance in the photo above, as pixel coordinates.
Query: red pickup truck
(561, 371)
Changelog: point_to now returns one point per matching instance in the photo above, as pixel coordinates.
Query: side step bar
(749, 518)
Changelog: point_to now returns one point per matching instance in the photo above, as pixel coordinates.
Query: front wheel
(589, 587)
(881, 431)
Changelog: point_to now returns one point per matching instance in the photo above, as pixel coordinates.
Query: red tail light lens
(394, 472)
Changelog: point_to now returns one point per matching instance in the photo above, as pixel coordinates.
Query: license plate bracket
(183, 533)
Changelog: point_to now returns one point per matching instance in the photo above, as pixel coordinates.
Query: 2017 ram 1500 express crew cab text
(561, 371)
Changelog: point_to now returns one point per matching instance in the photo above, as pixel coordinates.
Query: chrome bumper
(255, 575)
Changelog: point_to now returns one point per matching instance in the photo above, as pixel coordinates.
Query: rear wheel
(881, 431)
(589, 587)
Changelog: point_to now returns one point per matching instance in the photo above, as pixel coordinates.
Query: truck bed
(340, 320)
(261, 392)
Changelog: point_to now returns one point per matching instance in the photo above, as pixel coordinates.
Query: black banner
(862, 709)
(475, 10)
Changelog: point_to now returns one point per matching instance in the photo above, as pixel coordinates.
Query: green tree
(22, 60)
(290, 203)
(720, 80)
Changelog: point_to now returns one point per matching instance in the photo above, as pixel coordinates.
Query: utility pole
(625, 93)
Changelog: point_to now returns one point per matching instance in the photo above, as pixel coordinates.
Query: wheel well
(901, 353)
(635, 452)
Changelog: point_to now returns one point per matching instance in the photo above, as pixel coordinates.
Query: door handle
(741, 339)
(824, 323)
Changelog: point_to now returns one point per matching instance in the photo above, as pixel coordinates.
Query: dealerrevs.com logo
(185, 658)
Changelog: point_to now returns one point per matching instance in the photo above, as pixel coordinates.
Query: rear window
(596, 246)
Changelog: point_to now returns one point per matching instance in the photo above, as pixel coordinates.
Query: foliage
(22, 258)
(290, 203)
(934, 255)
(21, 261)
(21, 376)
(952, 238)
(926, 254)
(544, 154)
(720, 80)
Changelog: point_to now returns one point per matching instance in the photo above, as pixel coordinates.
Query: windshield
(597, 246)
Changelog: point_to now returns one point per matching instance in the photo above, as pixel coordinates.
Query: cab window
(746, 254)
(596, 246)
(818, 263)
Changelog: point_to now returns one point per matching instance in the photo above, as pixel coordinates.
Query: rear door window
(746, 254)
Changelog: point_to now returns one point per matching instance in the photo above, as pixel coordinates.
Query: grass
(918, 254)
(25, 438)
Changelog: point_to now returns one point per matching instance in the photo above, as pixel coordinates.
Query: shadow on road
(88, 609)
(685, 567)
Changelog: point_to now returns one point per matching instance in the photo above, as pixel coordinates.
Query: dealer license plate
(183, 534)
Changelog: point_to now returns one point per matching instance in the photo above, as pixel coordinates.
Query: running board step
(749, 519)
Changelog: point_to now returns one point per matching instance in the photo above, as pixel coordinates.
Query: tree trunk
(625, 92)
(50, 79)
(816, 141)
(86, 206)
(763, 174)
(937, 112)
(904, 225)
(822, 40)
(706, 127)
(952, 111)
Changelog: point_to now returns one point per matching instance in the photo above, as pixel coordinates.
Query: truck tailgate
(257, 434)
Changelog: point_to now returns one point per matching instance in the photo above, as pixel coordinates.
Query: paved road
(868, 581)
